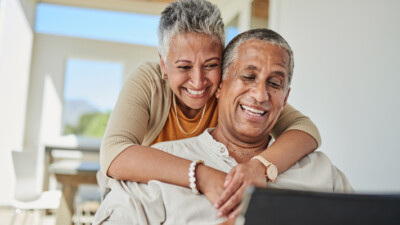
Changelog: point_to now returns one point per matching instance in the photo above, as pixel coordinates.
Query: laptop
(286, 207)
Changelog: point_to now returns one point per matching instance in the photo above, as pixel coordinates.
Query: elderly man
(257, 71)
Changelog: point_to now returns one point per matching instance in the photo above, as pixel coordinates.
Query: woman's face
(193, 68)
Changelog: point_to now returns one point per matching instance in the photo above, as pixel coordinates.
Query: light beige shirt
(162, 203)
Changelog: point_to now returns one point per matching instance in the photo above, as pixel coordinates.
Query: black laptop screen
(287, 207)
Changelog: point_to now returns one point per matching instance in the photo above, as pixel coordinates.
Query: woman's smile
(196, 93)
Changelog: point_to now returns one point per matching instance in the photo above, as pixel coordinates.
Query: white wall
(16, 37)
(347, 80)
(240, 10)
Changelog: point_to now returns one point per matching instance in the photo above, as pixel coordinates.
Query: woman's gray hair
(185, 16)
(265, 35)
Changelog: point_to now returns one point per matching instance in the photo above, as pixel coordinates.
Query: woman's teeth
(193, 92)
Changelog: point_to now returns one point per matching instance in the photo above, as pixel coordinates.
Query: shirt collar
(206, 137)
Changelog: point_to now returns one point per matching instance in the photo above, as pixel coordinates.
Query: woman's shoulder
(146, 70)
(147, 73)
(152, 68)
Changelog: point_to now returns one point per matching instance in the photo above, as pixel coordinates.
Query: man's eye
(275, 83)
(248, 77)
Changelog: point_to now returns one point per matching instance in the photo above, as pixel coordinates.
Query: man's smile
(253, 111)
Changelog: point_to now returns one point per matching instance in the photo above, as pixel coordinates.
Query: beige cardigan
(142, 109)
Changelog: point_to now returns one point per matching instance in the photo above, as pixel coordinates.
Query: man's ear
(218, 93)
(286, 97)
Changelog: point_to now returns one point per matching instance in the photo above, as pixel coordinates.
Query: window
(231, 32)
(91, 87)
(90, 92)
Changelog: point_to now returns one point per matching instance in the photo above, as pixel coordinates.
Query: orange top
(171, 130)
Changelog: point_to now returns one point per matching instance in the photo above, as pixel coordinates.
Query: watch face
(272, 172)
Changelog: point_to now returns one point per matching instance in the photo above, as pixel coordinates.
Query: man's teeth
(193, 92)
(253, 111)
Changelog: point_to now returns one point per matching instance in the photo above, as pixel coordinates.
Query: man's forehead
(260, 46)
(254, 54)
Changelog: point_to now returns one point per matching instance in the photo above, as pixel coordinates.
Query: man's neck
(240, 149)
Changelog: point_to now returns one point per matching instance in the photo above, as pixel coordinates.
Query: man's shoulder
(315, 162)
(314, 172)
(319, 156)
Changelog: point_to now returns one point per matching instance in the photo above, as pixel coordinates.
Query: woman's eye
(210, 66)
(184, 67)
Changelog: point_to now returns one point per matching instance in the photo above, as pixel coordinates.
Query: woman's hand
(230, 221)
(210, 182)
(246, 174)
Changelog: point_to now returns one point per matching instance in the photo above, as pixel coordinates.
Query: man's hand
(246, 174)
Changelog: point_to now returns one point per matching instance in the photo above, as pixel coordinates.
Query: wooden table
(67, 143)
(71, 173)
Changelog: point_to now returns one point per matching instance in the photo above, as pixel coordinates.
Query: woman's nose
(197, 79)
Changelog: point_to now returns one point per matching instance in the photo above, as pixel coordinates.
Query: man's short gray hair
(184, 16)
(265, 35)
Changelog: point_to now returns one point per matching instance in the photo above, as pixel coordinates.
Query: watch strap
(268, 166)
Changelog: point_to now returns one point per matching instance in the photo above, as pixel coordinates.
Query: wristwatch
(271, 172)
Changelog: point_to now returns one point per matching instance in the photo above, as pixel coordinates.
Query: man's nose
(259, 92)
(197, 78)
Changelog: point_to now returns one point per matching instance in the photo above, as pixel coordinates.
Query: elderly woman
(176, 99)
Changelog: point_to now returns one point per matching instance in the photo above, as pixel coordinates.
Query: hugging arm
(142, 164)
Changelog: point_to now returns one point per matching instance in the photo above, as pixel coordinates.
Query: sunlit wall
(346, 79)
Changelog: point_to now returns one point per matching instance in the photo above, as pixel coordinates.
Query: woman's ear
(162, 65)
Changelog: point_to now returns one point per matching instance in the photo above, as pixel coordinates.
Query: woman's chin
(196, 103)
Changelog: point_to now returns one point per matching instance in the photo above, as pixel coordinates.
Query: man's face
(255, 90)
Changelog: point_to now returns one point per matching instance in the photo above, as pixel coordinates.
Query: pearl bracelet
(192, 176)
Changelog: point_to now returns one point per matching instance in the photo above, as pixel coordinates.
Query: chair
(27, 195)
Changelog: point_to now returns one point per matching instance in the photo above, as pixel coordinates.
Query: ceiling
(155, 7)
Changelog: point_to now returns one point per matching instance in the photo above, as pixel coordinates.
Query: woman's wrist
(192, 176)
(209, 178)
(289, 148)
(270, 170)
